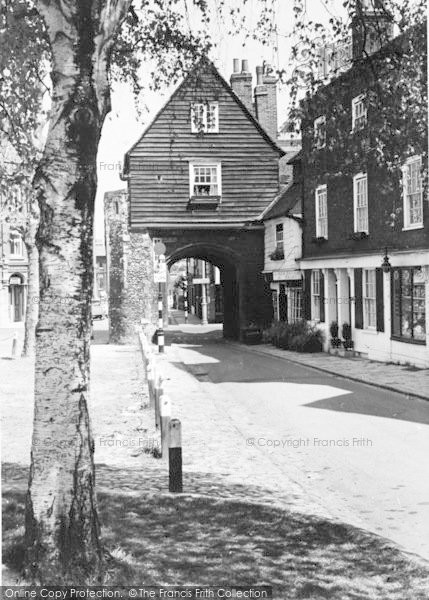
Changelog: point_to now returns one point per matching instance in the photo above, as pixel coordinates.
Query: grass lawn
(219, 534)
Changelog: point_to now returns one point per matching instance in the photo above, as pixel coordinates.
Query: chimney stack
(266, 99)
(372, 27)
(241, 83)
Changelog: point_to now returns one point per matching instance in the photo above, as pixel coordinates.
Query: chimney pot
(244, 66)
(259, 73)
(236, 65)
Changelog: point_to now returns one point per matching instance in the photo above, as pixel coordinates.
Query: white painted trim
(205, 163)
(412, 227)
(321, 188)
(355, 101)
(358, 176)
(317, 121)
(397, 259)
(205, 128)
(409, 161)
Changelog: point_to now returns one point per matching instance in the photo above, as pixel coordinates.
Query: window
(320, 131)
(294, 304)
(359, 113)
(15, 245)
(360, 200)
(205, 118)
(408, 306)
(205, 180)
(315, 295)
(321, 212)
(279, 238)
(369, 299)
(413, 193)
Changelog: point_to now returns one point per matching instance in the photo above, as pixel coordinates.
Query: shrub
(333, 329)
(299, 336)
(346, 331)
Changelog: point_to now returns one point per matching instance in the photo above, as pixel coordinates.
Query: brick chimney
(241, 83)
(266, 99)
(372, 27)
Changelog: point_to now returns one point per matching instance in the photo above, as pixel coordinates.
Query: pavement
(313, 441)
(400, 378)
(255, 427)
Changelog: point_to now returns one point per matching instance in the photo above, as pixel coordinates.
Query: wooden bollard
(165, 414)
(175, 456)
(14, 345)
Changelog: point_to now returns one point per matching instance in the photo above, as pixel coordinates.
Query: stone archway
(133, 295)
(227, 262)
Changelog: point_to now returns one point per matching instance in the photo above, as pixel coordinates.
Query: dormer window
(359, 112)
(205, 117)
(320, 131)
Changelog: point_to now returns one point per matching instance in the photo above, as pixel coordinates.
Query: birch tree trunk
(32, 311)
(62, 529)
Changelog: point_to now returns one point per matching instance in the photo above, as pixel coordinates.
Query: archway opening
(203, 283)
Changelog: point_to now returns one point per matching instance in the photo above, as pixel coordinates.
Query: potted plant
(346, 332)
(333, 330)
(251, 334)
(278, 254)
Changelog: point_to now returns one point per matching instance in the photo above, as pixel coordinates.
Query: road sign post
(160, 277)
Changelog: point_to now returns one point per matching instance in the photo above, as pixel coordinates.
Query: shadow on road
(225, 535)
(210, 358)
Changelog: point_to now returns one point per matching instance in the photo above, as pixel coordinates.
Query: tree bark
(32, 311)
(62, 528)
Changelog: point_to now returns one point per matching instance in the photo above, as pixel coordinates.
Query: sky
(123, 126)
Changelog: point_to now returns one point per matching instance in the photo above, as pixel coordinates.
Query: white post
(165, 414)
(14, 344)
(185, 296)
(204, 319)
(160, 333)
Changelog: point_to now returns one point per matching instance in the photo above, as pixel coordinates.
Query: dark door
(282, 303)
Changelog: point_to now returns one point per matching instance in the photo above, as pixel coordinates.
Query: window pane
(406, 320)
(396, 307)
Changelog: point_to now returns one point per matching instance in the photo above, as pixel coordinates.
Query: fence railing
(160, 403)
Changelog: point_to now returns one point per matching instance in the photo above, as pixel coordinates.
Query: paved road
(360, 453)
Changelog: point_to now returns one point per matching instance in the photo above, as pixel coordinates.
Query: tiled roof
(288, 202)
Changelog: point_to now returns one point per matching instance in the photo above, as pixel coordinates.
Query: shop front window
(408, 306)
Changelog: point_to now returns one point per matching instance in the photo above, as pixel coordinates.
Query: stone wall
(132, 294)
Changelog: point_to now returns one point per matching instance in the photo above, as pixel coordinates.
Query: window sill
(396, 338)
(412, 227)
(204, 202)
(202, 132)
(371, 330)
(359, 235)
(17, 258)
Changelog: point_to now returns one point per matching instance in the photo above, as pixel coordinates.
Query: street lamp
(385, 265)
